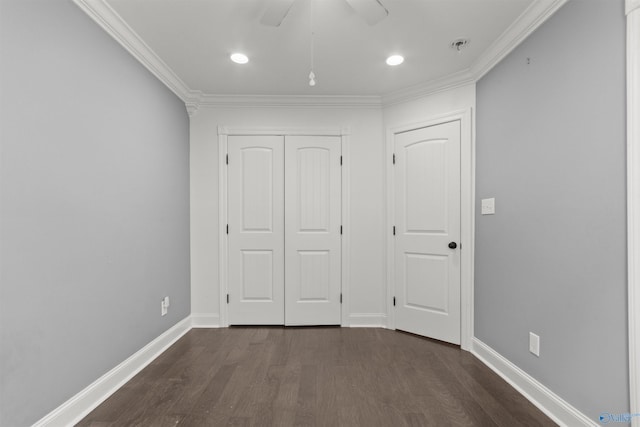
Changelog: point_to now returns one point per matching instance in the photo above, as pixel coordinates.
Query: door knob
(453, 245)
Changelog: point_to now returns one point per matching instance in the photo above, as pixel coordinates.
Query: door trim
(467, 212)
(632, 11)
(223, 255)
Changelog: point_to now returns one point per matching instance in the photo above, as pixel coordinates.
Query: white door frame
(467, 209)
(223, 253)
(633, 200)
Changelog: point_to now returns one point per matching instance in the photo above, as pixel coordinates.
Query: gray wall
(552, 260)
(95, 206)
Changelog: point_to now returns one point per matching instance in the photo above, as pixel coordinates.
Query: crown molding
(193, 101)
(116, 27)
(308, 101)
(537, 13)
(631, 5)
(431, 87)
(225, 130)
(529, 21)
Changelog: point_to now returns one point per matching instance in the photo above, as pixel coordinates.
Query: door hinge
(394, 230)
(340, 229)
(394, 301)
(227, 228)
(394, 158)
(227, 298)
(341, 298)
(340, 160)
(227, 159)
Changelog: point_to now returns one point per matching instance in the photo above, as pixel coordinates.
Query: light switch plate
(488, 206)
(163, 307)
(534, 344)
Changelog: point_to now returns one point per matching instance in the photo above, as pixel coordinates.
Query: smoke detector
(459, 44)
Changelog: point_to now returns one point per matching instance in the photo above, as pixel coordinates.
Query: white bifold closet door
(284, 210)
(312, 230)
(256, 230)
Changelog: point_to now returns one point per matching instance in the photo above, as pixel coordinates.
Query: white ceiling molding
(431, 87)
(316, 101)
(100, 11)
(534, 16)
(225, 130)
(193, 102)
(116, 27)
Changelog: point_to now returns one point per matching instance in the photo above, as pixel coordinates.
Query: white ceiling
(195, 38)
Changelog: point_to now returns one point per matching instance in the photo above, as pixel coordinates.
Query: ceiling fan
(372, 11)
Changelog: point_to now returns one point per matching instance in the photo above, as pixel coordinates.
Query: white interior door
(312, 230)
(427, 221)
(256, 230)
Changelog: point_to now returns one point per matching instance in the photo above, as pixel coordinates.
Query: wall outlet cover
(488, 206)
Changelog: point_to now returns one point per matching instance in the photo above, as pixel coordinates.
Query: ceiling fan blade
(372, 11)
(277, 11)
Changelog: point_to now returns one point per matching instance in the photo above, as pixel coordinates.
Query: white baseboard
(204, 320)
(367, 320)
(76, 408)
(547, 401)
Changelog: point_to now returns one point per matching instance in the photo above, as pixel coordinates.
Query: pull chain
(312, 76)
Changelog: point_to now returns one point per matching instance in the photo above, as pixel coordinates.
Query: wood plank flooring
(273, 376)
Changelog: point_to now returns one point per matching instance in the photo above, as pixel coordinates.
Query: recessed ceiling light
(394, 60)
(239, 58)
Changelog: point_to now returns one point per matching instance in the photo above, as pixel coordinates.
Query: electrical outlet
(163, 307)
(488, 206)
(534, 344)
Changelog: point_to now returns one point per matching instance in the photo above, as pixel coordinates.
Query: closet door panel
(312, 230)
(256, 230)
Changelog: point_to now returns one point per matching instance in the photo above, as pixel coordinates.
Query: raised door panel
(314, 204)
(314, 267)
(425, 185)
(426, 282)
(257, 275)
(257, 189)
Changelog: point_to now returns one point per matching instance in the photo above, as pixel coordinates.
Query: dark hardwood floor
(275, 376)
